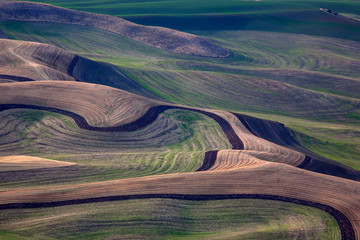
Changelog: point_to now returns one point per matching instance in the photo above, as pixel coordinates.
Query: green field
(175, 142)
(291, 78)
(170, 219)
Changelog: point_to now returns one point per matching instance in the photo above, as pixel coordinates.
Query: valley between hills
(179, 120)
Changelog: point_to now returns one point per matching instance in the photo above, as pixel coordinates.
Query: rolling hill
(110, 129)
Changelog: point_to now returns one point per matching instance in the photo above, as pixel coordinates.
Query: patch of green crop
(354, 116)
(346, 153)
(180, 147)
(34, 116)
(171, 219)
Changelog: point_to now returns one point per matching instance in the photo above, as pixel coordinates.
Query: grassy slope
(177, 146)
(170, 219)
(289, 71)
(268, 15)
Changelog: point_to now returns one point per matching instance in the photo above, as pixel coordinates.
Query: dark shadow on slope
(280, 134)
(209, 161)
(15, 78)
(86, 70)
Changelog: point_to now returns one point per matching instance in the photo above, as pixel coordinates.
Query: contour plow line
(112, 109)
(259, 147)
(234, 173)
(31, 61)
(235, 159)
(337, 196)
(116, 110)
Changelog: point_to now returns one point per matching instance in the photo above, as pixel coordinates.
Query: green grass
(170, 219)
(341, 144)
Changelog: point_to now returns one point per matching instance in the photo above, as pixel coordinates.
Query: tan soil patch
(16, 163)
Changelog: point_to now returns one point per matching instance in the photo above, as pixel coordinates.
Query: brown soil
(17, 163)
(337, 196)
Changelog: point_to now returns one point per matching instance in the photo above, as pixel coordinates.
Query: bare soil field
(104, 106)
(17, 163)
(26, 61)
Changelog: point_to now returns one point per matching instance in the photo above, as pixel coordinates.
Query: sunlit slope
(33, 61)
(99, 105)
(20, 162)
(106, 109)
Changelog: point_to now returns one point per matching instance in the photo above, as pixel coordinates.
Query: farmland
(189, 219)
(244, 125)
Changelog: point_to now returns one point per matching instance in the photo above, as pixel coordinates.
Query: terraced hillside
(153, 133)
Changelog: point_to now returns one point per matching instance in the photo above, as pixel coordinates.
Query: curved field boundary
(270, 130)
(278, 133)
(70, 69)
(209, 160)
(305, 163)
(346, 228)
(16, 78)
(148, 118)
(141, 122)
